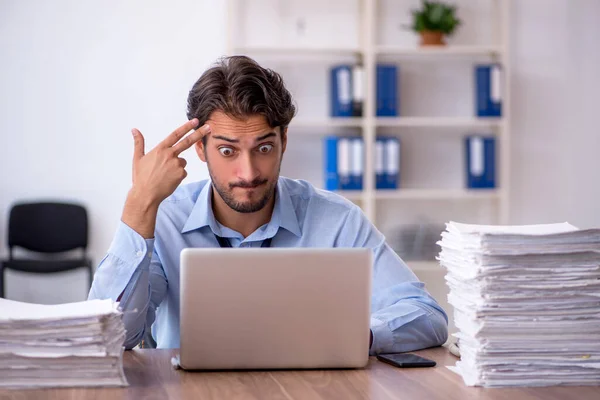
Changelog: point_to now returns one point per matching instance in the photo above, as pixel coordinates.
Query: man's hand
(156, 175)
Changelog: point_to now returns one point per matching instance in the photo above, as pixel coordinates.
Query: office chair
(47, 229)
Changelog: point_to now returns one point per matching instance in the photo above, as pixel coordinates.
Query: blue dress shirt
(404, 317)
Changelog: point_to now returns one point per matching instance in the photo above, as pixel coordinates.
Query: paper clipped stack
(526, 303)
(76, 344)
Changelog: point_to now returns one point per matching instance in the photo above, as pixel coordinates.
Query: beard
(226, 193)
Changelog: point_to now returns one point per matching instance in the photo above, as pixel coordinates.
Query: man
(241, 112)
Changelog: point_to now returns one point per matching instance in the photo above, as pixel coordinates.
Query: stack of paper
(526, 303)
(77, 344)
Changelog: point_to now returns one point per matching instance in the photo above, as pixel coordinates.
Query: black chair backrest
(48, 227)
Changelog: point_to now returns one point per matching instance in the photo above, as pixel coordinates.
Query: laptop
(275, 308)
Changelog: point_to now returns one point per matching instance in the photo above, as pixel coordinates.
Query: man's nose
(247, 170)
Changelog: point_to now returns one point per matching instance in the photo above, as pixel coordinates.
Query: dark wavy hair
(240, 87)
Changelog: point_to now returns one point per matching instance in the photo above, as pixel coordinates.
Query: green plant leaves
(435, 16)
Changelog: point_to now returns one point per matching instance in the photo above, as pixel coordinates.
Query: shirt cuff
(382, 336)
(128, 252)
(129, 246)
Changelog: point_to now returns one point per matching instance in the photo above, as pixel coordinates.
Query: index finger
(179, 133)
(189, 141)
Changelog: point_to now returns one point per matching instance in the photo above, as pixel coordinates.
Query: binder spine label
(496, 84)
(343, 82)
(344, 163)
(477, 157)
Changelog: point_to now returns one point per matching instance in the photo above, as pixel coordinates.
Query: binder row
(344, 162)
(347, 91)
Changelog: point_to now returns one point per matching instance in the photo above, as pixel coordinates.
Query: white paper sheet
(526, 303)
(75, 344)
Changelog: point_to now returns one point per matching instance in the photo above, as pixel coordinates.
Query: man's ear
(200, 150)
(283, 140)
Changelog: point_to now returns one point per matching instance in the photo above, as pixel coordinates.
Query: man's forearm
(416, 326)
(135, 305)
(139, 213)
(123, 275)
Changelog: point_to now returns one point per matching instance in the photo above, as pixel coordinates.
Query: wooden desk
(151, 376)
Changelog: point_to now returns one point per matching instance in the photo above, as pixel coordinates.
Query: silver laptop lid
(275, 308)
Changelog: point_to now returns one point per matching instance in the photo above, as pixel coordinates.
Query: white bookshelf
(440, 122)
(369, 51)
(423, 194)
(442, 51)
(327, 123)
(282, 52)
(399, 122)
(307, 51)
(354, 195)
(437, 194)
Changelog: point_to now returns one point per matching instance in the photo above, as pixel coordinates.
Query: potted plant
(433, 21)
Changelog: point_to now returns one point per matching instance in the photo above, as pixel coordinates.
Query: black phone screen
(406, 360)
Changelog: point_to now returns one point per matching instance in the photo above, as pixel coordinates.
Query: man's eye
(226, 151)
(265, 148)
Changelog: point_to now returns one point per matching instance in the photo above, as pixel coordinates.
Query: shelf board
(286, 51)
(442, 122)
(437, 194)
(350, 194)
(409, 122)
(350, 122)
(438, 51)
(424, 194)
(433, 51)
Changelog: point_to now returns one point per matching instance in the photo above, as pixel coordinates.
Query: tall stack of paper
(76, 344)
(527, 303)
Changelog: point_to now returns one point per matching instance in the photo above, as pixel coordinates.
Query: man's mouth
(252, 186)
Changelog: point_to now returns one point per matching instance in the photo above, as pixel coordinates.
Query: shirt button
(139, 253)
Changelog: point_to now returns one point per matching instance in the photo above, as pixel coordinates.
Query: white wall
(556, 139)
(76, 76)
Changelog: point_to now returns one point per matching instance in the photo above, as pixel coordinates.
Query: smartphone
(405, 360)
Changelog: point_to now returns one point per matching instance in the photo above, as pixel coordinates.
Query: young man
(241, 112)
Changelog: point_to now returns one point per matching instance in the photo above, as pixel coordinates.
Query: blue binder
(330, 144)
(341, 91)
(480, 154)
(357, 90)
(387, 90)
(488, 88)
(379, 162)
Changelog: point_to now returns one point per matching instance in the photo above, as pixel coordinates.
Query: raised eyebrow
(263, 137)
(225, 139)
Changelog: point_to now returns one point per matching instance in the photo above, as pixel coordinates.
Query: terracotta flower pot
(432, 38)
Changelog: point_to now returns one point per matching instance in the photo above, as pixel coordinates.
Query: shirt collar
(284, 213)
(202, 213)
